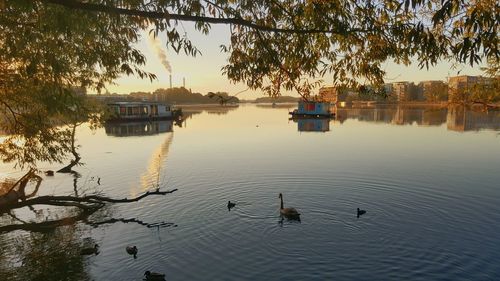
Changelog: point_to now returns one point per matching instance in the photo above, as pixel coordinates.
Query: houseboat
(313, 109)
(138, 111)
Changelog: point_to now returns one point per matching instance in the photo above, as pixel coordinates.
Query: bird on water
(360, 212)
(289, 213)
(90, 251)
(230, 205)
(154, 276)
(132, 250)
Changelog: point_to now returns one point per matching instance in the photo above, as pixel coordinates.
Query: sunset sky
(203, 73)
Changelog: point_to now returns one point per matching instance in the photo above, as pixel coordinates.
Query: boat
(312, 109)
(142, 111)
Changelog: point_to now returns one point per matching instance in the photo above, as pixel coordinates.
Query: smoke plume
(155, 41)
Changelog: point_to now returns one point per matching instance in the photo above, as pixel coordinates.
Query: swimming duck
(49, 173)
(132, 250)
(90, 251)
(230, 205)
(289, 213)
(154, 276)
(361, 212)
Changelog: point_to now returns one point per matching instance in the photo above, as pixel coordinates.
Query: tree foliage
(436, 92)
(48, 46)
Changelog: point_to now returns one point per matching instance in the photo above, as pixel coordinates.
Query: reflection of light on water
(152, 176)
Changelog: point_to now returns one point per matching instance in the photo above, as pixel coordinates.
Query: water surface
(428, 178)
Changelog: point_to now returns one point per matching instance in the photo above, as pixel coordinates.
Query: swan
(154, 276)
(290, 213)
(90, 251)
(361, 212)
(132, 250)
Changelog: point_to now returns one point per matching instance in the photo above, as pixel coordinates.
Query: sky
(203, 73)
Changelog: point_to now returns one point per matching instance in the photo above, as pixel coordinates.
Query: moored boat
(312, 109)
(140, 111)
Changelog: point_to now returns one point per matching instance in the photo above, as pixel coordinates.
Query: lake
(428, 178)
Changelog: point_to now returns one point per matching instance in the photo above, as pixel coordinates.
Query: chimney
(184, 82)
(170, 81)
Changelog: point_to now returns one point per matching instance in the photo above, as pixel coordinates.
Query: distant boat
(139, 111)
(312, 109)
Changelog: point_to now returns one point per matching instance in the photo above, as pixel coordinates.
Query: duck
(90, 251)
(132, 250)
(230, 205)
(49, 173)
(289, 213)
(361, 212)
(154, 276)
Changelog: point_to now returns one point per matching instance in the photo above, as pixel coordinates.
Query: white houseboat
(134, 111)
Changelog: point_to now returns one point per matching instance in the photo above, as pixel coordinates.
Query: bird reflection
(289, 220)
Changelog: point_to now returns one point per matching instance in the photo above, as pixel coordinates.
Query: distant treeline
(281, 99)
(183, 96)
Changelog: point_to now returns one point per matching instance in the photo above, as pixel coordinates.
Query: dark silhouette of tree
(222, 98)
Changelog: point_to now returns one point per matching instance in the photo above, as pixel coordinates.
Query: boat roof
(136, 103)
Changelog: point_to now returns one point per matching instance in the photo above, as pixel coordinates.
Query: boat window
(144, 110)
(136, 110)
(123, 111)
(129, 111)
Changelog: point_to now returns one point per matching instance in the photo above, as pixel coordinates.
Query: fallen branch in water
(84, 202)
(126, 200)
(87, 205)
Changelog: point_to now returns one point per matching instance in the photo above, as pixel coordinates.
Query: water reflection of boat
(144, 128)
(313, 124)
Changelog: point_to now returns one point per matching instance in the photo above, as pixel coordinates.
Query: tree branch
(126, 200)
(93, 201)
(88, 206)
(168, 16)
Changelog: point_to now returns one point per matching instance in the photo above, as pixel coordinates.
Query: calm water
(428, 178)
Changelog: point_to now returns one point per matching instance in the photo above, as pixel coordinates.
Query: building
(433, 90)
(401, 90)
(460, 86)
(388, 88)
(463, 82)
(404, 91)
